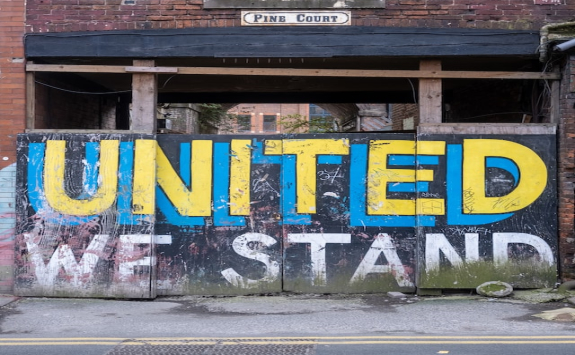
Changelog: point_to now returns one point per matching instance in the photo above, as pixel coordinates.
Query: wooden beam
(430, 95)
(30, 100)
(357, 73)
(70, 68)
(487, 128)
(144, 99)
(157, 70)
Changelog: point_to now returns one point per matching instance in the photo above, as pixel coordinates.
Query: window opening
(269, 123)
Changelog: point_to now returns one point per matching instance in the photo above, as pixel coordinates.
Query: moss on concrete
(539, 295)
(471, 275)
(373, 283)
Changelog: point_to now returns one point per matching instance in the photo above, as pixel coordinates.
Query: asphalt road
(283, 324)
(336, 345)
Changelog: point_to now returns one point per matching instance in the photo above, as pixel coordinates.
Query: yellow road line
(311, 337)
(64, 339)
(343, 340)
(58, 343)
(359, 342)
(368, 337)
(291, 343)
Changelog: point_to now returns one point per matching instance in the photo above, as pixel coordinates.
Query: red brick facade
(12, 122)
(401, 112)
(83, 15)
(258, 111)
(566, 175)
(12, 78)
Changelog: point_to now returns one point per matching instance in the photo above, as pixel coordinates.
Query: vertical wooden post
(144, 99)
(30, 100)
(430, 95)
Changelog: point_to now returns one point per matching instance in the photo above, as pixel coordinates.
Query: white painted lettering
(318, 243)
(434, 243)
(129, 258)
(501, 243)
(80, 273)
(471, 247)
(382, 244)
(241, 246)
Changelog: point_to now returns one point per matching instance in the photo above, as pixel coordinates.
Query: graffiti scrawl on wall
(136, 215)
(7, 222)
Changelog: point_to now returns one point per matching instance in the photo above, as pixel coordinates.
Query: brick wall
(183, 117)
(59, 109)
(81, 15)
(12, 122)
(401, 112)
(258, 111)
(566, 174)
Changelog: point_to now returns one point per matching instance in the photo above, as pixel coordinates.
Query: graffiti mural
(137, 216)
(7, 224)
(85, 215)
(218, 197)
(338, 233)
(500, 220)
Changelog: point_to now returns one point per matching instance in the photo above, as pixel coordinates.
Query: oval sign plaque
(296, 18)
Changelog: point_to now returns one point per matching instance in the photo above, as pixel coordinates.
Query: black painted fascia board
(282, 42)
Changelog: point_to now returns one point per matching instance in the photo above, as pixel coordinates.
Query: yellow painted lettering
(532, 172)
(54, 170)
(430, 147)
(273, 147)
(379, 175)
(240, 177)
(306, 151)
(194, 202)
(144, 190)
(429, 206)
